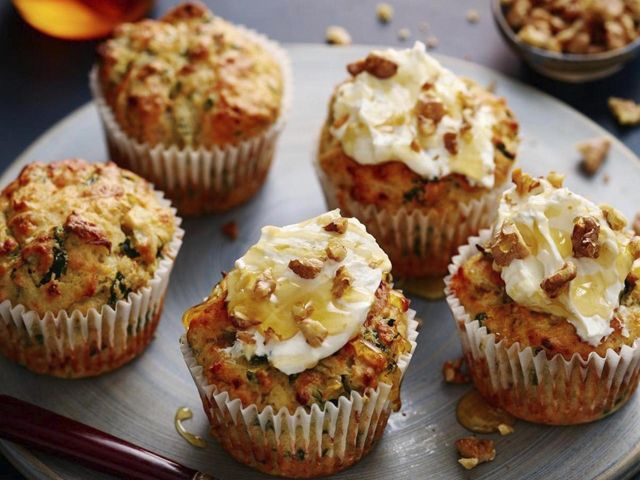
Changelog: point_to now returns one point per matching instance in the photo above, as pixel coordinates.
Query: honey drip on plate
(475, 414)
(184, 413)
(429, 288)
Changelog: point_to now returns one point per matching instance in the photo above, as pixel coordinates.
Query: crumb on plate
(336, 35)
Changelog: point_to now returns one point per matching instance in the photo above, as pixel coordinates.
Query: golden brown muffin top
(190, 79)
(393, 185)
(75, 235)
(482, 293)
(367, 359)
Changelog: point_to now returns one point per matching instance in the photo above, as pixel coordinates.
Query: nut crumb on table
(230, 229)
(384, 12)
(474, 451)
(432, 42)
(404, 34)
(625, 111)
(336, 35)
(473, 16)
(594, 152)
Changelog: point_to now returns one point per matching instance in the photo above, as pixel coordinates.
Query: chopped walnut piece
(314, 332)
(468, 463)
(636, 224)
(473, 16)
(265, 285)
(241, 320)
(524, 182)
(555, 179)
(432, 42)
(584, 237)
(594, 152)
(475, 450)
(508, 245)
(555, 284)
(336, 251)
(339, 225)
(300, 311)
(634, 247)
(230, 229)
(452, 371)
(431, 109)
(505, 429)
(336, 35)
(615, 219)
(404, 34)
(384, 12)
(306, 268)
(626, 112)
(341, 282)
(379, 66)
(451, 142)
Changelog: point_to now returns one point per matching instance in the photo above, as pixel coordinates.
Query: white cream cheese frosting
(276, 330)
(545, 218)
(377, 120)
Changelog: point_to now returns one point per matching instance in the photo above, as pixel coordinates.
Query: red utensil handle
(39, 428)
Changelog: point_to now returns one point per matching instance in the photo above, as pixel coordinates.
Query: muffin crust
(189, 79)
(76, 235)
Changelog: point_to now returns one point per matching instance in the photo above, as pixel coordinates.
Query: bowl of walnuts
(571, 40)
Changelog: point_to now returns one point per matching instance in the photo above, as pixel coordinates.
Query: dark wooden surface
(43, 79)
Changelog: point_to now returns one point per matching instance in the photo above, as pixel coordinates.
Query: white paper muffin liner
(330, 438)
(532, 386)
(201, 180)
(419, 243)
(73, 344)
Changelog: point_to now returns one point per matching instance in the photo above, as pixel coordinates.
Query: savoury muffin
(299, 352)
(194, 104)
(85, 256)
(417, 154)
(547, 305)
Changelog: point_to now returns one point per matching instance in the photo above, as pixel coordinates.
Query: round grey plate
(138, 401)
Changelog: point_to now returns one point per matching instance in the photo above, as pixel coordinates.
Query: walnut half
(508, 245)
(306, 268)
(555, 284)
(314, 332)
(375, 65)
(584, 237)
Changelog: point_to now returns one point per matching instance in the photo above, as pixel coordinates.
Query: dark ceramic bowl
(568, 67)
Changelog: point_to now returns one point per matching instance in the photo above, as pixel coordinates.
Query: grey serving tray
(138, 401)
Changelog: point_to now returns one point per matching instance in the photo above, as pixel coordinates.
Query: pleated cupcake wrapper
(216, 171)
(521, 375)
(429, 236)
(112, 331)
(282, 431)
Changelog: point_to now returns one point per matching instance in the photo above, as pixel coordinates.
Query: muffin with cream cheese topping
(194, 104)
(85, 256)
(418, 154)
(299, 351)
(547, 305)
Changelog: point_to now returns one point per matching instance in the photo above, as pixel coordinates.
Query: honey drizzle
(185, 413)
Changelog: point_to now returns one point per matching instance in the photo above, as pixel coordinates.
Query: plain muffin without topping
(77, 239)
(193, 103)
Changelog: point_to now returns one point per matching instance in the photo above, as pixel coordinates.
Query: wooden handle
(39, 428)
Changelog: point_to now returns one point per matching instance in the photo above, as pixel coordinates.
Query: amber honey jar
(80, 19)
